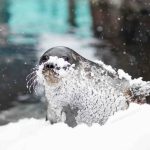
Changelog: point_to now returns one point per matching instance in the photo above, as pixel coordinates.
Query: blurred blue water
(30, 18)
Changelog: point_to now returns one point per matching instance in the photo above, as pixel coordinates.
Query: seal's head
(58, 61)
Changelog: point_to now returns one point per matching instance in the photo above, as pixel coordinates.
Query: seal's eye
(44, 58)
(66, 58)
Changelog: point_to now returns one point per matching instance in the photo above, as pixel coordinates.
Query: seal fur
(88, 92)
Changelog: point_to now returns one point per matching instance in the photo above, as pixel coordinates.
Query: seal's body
(86, 92)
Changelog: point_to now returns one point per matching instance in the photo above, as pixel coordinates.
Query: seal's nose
(49, 66)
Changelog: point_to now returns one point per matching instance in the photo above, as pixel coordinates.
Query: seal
(81, 91)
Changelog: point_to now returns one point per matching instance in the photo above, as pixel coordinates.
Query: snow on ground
(126, 130)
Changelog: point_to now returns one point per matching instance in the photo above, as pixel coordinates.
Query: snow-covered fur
(88, 93)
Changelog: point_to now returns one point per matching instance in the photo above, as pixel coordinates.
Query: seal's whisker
(32, 78)
(35, 68)
(32, 85)
(30, 75)
(35, 82)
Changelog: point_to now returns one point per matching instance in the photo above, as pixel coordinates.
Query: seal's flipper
(140, 92)
(71, 114)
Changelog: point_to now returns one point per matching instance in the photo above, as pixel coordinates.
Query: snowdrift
(126, 130)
